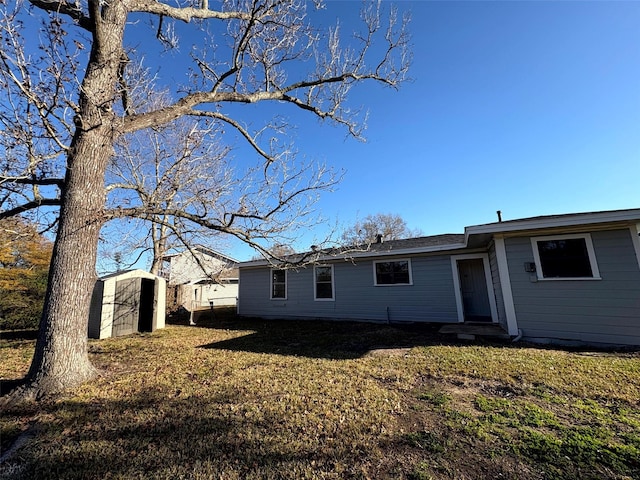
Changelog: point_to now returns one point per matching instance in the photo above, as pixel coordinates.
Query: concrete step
(468, 331)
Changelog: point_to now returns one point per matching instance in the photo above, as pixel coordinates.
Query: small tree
(24, 264)
(390, 226)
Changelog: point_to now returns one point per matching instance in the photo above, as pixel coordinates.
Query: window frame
(591, 256)
(397, 260)
(315, 284)
(271, 283)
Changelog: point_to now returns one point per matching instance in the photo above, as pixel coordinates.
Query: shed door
(127, 307)
(473, 287)
(147, 304)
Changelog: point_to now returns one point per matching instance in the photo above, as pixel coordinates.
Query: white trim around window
(326, 284)
(272, 283)
(591, 255)
(392, 274)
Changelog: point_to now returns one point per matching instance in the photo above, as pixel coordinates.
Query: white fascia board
(634, 230)
(253, 263)
(632, 215)
(403, 251)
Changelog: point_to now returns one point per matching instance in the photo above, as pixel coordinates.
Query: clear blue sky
(532, 108)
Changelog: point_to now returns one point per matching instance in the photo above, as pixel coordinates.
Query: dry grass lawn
(250, 399)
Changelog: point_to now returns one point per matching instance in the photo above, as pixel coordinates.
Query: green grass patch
(426, 440)
(435, 398)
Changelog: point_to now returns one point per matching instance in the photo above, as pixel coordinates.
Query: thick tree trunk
(61, 360)
(159, 239)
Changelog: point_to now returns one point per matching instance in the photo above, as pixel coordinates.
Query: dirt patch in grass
(389, 352)
(242, 399)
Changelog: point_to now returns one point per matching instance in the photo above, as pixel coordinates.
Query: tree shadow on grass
(17, 336)
(320, 339)
(152, 435)
(7, 385)
(30, 334)
(352, 339)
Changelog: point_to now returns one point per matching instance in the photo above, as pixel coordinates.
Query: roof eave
(368, 254)
(616, 216)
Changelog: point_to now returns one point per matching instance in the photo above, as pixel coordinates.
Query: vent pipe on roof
(379, 238)
(499, 212)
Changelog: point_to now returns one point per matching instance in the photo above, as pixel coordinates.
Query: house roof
(475, 236)
(136, 272)
(563, 220)
(480, 234)
(388, 246)
(434, 243)
(206, 251)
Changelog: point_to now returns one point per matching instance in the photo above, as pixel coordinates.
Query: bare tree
(389, 226)
(182, 164)
(68, 102)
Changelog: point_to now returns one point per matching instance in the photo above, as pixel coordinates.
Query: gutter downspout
(517, 337)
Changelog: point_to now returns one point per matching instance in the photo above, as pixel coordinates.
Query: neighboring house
(570, 278)
(200, 278)
(127, 302)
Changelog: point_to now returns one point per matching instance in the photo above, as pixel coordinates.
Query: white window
(392, 272)
(565, 257)
(323, 282)
(278, 284)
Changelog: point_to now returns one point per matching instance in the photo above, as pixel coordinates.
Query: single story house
(126, 302)
(200, 278)
(572, 278)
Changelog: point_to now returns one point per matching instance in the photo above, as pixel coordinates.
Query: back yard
(241, 399)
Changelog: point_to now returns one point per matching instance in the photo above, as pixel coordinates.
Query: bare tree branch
(59, 182)
(45, 202)
(71, 9)
(185, 14)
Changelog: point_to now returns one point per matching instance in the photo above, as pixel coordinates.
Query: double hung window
(278, 284)
(323, 282)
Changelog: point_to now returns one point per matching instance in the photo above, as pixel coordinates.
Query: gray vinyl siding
(602, 311)
(430, 299)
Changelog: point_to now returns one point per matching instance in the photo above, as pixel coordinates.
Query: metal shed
(127, 302)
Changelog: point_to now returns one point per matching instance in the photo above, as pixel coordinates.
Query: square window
(393, 272)
(565, 257)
